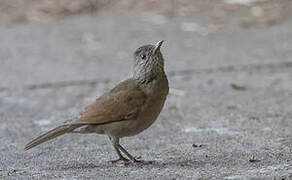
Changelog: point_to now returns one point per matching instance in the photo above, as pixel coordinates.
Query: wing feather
(122, 103)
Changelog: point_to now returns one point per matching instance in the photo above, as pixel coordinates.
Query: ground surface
(230, 71)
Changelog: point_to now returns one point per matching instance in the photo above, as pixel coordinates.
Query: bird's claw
(125, 160)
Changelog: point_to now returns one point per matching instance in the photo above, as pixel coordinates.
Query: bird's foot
(125, 160)
(144, 162)
(138, 159)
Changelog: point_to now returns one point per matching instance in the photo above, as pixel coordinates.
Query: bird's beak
(157, 46)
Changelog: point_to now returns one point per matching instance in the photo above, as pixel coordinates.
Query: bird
(126, 110)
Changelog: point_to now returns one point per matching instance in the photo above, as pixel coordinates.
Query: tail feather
(58, 131)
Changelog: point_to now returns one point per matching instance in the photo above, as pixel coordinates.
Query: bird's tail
(58, 131)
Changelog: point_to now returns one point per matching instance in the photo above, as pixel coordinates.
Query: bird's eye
(143, 56)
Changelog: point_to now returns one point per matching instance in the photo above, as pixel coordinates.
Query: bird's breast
(156, 96)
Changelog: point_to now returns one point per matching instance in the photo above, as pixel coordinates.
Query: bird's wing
(123, 102)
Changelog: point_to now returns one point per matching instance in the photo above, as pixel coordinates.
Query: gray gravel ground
(231, 97)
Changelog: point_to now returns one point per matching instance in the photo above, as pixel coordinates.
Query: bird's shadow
(76, 165)
(172, 162)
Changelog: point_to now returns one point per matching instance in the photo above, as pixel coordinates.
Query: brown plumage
(129, 108)
(122, 102)
(58, 131)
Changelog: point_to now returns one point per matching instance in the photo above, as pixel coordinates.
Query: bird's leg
(126, 153)
(115, 141)
(121, 158)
